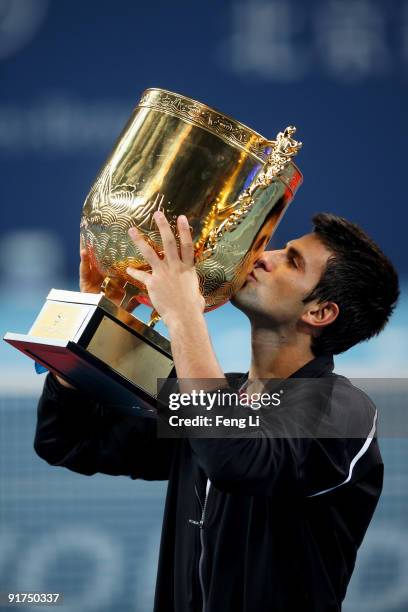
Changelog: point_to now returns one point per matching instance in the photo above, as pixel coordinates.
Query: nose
(268, 260)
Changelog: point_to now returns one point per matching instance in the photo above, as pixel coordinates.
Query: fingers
(84, 264)
(90, 278)
(83, 253)
(167, 236)
(186, 241)
(146, 250)
(139, 275)
(168, 240)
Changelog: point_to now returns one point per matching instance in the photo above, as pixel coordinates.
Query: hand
(172, 285)
(90, 280)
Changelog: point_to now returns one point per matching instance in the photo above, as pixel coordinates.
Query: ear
(319, 315)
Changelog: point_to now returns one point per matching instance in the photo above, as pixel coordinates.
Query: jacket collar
(317, 367)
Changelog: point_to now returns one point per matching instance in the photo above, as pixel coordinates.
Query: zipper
(200, 524)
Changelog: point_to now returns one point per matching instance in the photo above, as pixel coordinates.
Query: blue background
(70, 74)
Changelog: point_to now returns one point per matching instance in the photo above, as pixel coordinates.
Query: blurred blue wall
(70, 74)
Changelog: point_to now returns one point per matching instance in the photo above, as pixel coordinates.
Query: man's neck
(278, 353)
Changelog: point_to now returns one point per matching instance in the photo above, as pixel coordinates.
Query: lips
(251, 276)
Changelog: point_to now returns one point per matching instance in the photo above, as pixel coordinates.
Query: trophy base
(98, 347)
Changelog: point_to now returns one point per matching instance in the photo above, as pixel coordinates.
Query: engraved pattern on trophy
(105, 221)
(222, 177)
(202, 115)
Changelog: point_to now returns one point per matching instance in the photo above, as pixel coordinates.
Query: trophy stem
(154, 318)
(129, 301)
(128, 293)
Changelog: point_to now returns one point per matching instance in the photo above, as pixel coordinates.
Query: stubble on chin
(245, 298)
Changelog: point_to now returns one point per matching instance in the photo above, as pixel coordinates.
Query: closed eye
(292, 260)
(295, 257)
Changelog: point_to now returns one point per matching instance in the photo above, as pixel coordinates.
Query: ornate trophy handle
(283, 149)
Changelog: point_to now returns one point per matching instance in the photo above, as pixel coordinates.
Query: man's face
(281, 279)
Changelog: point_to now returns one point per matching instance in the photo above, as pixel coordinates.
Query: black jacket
(250, 525)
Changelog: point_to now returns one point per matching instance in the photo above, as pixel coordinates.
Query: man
(265, 524)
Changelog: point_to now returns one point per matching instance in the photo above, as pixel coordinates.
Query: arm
(175, 294)
(321, 438)
(82, 435)
(285, 467)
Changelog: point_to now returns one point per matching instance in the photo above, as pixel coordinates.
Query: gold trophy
(181, 157)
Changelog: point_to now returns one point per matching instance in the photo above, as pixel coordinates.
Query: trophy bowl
(183, 157)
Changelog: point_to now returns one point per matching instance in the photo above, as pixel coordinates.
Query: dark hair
(359, 278)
